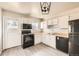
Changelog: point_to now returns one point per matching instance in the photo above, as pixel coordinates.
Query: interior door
(12, 36)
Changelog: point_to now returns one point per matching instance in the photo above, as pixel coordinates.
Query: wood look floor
(37, 50)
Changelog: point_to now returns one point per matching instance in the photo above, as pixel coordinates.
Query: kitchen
(51, 31)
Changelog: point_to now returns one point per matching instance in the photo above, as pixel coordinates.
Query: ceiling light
(45, 7)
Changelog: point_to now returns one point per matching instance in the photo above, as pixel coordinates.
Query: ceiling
(58, 7)
(16, 7)
(34, 7)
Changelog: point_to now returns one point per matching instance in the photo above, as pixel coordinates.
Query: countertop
(61, 34)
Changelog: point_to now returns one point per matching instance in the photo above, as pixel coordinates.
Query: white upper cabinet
(63, 21)
(50, 22)
(53, 21)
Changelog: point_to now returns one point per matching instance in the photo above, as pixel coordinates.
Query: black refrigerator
(74, 38)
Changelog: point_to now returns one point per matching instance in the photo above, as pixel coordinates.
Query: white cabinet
(49, 40)
(52, 41)
(38, 39)
(53, 21)
(63, 21)
(45, 39)
(50, 22)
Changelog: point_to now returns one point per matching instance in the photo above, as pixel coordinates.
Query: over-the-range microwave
(26, 26)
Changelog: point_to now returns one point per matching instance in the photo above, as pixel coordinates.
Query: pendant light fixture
(45, 7)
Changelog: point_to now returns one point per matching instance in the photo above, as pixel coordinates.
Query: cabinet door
(38, 38)
(63, 21)
(46, 39)
(55, 21)
(52, 41)
(49, 40)
(50, 22)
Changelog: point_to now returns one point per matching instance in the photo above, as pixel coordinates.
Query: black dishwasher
(62, 44)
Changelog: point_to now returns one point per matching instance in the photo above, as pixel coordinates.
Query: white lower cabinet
(49, 40)
(45, 39)
(52, 41)
(38, 39)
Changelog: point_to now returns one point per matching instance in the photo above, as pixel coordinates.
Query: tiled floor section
(37, 50)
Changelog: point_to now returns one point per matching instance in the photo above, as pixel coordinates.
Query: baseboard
(38, 43)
